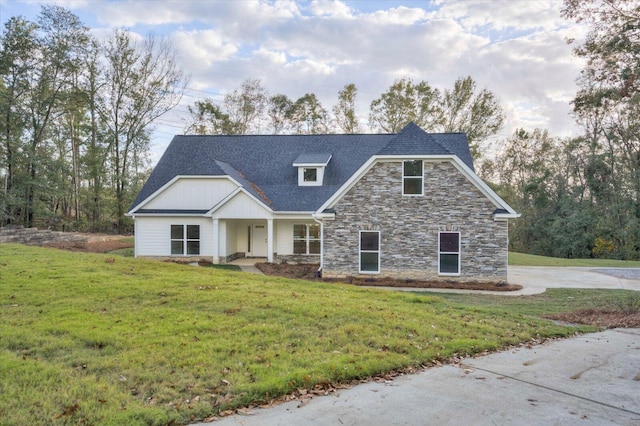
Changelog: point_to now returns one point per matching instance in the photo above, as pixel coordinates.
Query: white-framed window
(412, 177)
(185, 240)
(369, 262)
(306, 238)
(449, 253)
(310, 174)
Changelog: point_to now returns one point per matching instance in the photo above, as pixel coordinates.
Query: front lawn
(97, 339)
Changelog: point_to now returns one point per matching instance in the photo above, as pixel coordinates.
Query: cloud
(201, 48)
(330, 9)
(514, 48)
(502, 15)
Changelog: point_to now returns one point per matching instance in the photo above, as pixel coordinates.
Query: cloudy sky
(515, 48)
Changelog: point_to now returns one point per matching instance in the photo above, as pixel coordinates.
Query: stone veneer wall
(409, 226)
(296, 259)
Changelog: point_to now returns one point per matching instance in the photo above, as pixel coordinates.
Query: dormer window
(311, 168)
(310, 174)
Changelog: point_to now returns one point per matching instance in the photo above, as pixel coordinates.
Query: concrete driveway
(592, 379)
(535, 279)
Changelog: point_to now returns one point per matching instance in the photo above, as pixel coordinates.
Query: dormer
(311, 168)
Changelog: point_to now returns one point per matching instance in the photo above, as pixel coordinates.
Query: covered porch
(295, 240)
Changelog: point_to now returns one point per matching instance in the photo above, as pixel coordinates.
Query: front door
(259, 241)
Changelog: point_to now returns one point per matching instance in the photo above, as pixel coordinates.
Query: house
(406, 205)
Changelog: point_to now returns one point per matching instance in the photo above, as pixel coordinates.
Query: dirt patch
(606, 318)
(94, 243)
(309, 272)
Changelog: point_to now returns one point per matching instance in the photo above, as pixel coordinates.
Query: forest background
(76, 116)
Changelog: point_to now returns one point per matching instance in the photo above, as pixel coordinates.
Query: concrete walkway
(248, 264)
(536, 279)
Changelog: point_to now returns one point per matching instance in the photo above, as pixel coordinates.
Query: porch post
(216, 241)
(270, 240)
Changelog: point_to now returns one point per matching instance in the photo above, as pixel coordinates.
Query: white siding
(241, 206)
(242, 236)
(193, 194)
(284, 236)
(153, 234)
(232, 240)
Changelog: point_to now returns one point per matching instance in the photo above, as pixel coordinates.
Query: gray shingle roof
(263, 164)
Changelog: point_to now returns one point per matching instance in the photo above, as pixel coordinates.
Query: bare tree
(143, 82)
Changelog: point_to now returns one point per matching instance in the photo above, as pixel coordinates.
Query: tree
(50, 50)
(278, 109)
(461, 109)
(246, 106)
(607, 106)
(478, 115)
(308, 116)
(143, 82)
(344, 111)
(207, 118)
(535, 176)
(17, 59)
(240, 114)
(405, 102)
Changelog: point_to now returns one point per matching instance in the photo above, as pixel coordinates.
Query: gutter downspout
(321, 244)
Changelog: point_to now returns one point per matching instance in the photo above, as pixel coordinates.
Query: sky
(517, 49)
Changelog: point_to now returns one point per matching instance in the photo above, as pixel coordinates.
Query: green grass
(93, 339)
(553, 300)
(522, 259)
(124, 252)
(223, 266)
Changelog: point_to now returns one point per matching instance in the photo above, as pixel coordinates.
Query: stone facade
(296, 259)
(409, 225)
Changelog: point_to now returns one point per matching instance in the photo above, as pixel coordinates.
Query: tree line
(76, 116)
(580, 197)
(251, 109)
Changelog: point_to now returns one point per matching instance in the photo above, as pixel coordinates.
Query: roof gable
(412, 140)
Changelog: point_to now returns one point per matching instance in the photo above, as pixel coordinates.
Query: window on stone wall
(412, 178)
(449, 253)
(369, 252)
(306, 238)
(185, 240)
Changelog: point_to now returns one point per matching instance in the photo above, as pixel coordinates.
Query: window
(412, 178)
(369, 252)
(310, 174)
(185, 239)
(306, 239)
(449, 253)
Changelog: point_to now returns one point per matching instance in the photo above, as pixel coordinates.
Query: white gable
(241, 206)
(189, 193)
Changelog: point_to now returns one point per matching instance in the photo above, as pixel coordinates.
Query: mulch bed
(309, 272)
(607, 318)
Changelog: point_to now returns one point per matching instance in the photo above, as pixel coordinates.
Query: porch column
(270, 240)
(216, 241)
